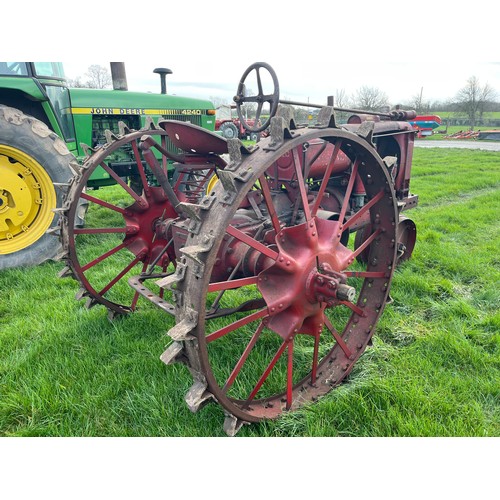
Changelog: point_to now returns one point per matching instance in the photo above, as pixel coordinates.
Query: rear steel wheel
(127, 227)
(273, 309)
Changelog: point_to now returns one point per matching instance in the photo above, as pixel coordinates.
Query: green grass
(433, 369)
(490, 115)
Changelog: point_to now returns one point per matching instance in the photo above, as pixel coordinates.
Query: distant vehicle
(230, 126)
(425, 124)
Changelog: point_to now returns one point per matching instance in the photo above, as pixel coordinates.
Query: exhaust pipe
(118, 76)
(163, 72)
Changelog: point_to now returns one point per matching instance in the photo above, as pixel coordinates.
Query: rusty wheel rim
(124, 242)
(308, 310)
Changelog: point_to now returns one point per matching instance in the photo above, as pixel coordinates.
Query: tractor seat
(193, 139)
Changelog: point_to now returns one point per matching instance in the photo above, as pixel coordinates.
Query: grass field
(433, 370)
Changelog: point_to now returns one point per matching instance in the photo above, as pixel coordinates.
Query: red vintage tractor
(276, 261)
(231, 127)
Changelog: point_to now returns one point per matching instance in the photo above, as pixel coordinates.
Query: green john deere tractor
(45, 127)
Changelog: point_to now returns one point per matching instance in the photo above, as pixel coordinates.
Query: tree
(418, 103)
(370, 98)
(218, 101)
(341, 100)
(98, 77)
(473, 98)
(76, 83)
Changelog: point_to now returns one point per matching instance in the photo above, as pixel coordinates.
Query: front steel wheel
(275, 310)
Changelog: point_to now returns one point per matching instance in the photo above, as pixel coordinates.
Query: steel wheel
(127, 226)
(274, 309)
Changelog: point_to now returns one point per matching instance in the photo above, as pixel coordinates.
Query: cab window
(59, 98)
(49, 69)
(13, 69)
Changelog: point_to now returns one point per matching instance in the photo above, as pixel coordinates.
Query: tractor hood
(109, 102)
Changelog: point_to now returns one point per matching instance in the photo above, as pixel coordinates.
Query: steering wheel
(273, 99)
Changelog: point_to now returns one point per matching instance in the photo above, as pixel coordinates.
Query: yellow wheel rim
(211, 183)
(27, 198)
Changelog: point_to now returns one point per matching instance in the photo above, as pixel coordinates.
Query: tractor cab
(39, 89)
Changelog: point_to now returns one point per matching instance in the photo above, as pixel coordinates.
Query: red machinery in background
(425, 124)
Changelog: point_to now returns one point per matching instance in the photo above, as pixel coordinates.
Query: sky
(316, 47)
(400, 80)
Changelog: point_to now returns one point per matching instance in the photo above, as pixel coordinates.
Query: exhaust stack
(118, 76)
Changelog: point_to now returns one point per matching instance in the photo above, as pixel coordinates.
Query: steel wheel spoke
(140, 167)
(337, 337)
(119, 276)
(352, 307)
(267, 371)
(128, 189)
(215, 303)
(243, 358)
(100, 230)
(363, 210)
(366, 243)
(237, 324)
(326, 178)
(103, 256)
(228, 285)
(257, 245)
(269, 203)
(302, 185)
(348, 192)
(103, 203)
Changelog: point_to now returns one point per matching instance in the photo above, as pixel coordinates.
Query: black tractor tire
(26, 142)
(229, 130)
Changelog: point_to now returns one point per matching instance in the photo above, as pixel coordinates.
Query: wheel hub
(26, 199)
(143, 235)
(306, 278)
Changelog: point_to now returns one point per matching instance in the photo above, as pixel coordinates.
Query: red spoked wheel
(127, 224)
(279, 306)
